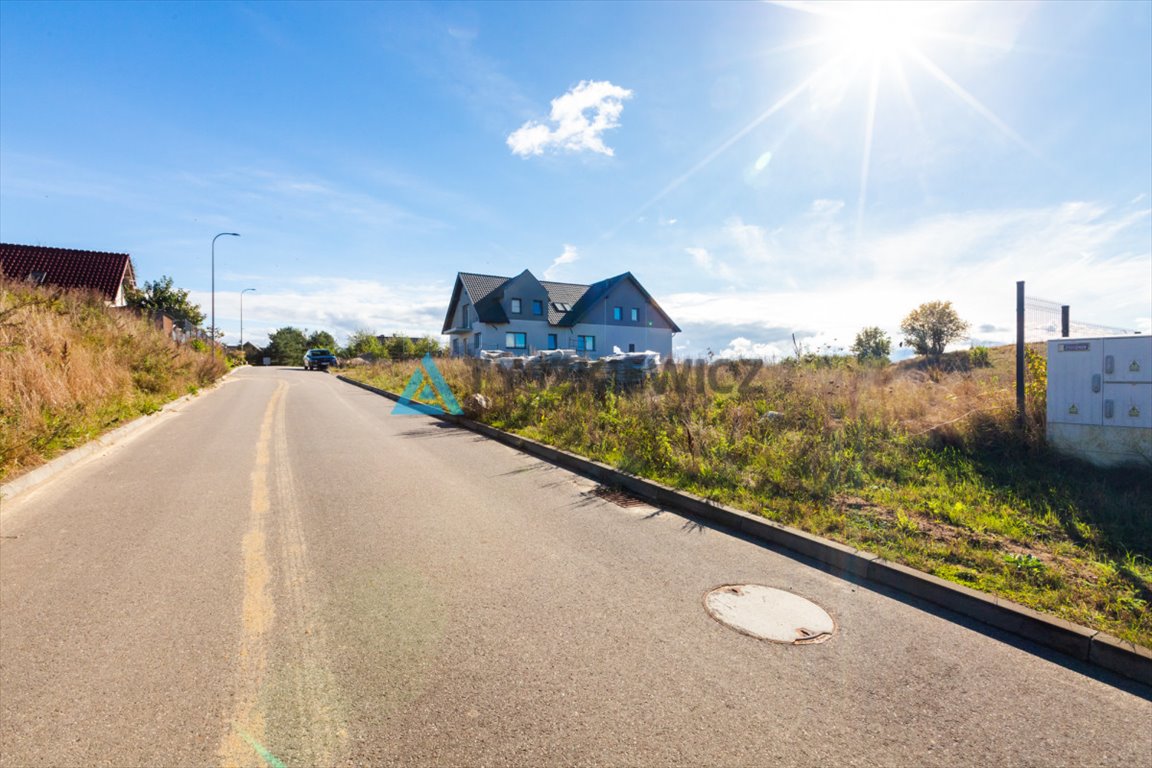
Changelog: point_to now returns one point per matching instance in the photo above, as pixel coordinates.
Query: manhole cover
(769, 614)
(617, 496)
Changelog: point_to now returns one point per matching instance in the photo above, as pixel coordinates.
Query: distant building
(523, 315)
(108, 274)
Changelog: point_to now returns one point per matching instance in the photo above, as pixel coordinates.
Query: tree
(364, 343)
(321, 340)
(401, 348)
(872, 344)
(162, 296)
(287, 346)
(929, 328)
(428, 346)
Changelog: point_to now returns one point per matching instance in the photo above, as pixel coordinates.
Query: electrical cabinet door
(1128, 359)
(1127, 405)
(1075, 381)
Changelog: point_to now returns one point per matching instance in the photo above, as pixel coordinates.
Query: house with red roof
(110, 275)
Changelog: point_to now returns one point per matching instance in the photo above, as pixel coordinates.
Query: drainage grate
(617, 496)
(769, 614)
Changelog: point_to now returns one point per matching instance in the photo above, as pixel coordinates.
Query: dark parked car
(318, 360)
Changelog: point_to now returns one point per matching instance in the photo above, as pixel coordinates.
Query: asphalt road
(281, 572)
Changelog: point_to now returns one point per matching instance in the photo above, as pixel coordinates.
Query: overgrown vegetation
(921, 463)
(163, 296)
(71, 368)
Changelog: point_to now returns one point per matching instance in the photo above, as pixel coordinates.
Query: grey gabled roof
(487, 290)
(562, 293)
(481, 287)
(597, 291)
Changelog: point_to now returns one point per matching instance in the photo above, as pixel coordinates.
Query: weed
(71, 368)
(978, 357)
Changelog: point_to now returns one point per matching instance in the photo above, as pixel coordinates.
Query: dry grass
(71, 368)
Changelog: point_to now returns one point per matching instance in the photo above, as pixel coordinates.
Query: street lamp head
(214, 239)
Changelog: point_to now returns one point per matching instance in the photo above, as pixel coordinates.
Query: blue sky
(764, 169)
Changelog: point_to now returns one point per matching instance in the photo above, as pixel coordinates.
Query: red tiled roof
(68, 267)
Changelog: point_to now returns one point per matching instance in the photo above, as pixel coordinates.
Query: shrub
(978, 357)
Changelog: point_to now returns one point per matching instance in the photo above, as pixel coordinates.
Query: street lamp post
(222, 234)
(242, 317)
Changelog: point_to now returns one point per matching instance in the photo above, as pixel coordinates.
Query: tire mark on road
(306, 722)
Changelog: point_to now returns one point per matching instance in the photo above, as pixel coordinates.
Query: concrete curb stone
(1084, 644)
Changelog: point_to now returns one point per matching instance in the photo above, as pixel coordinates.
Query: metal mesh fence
(1042, 322)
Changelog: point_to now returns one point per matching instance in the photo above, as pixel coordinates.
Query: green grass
(925, 466)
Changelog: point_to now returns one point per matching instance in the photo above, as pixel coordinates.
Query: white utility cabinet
(1100, 398)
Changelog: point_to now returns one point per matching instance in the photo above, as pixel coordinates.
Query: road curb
(46, 471)
(1087, 645)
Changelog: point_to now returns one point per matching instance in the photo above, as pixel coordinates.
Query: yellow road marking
(258, 610)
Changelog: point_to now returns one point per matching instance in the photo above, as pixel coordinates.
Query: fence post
(1020, 352)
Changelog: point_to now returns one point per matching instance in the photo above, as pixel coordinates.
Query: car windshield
(318, 352)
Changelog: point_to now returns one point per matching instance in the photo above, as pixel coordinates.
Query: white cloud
(704, 259)
(752, 241)
(743, 348)
(567, 257)
(579, 117)
(1090, 256)
(823, 207)
(414, 309)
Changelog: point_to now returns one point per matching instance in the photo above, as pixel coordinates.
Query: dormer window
(515, 306)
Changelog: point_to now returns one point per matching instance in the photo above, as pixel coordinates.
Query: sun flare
(879, 29)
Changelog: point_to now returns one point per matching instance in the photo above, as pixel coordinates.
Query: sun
(878, 29)
(879, 45)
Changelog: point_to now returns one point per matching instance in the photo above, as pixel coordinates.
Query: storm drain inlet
(769, 614)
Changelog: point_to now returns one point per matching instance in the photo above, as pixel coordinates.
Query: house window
(617, 313)
(515, 306)
(585, 343)
(560, 306)
(631, 347)
(476, 341)
(464, 316)
(516, 340)
(635, 314)
(551, 341)
(537, 307)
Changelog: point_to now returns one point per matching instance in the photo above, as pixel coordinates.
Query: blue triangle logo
(427, 393)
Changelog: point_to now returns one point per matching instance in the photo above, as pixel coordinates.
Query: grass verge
(72, 369)
(922, 465)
